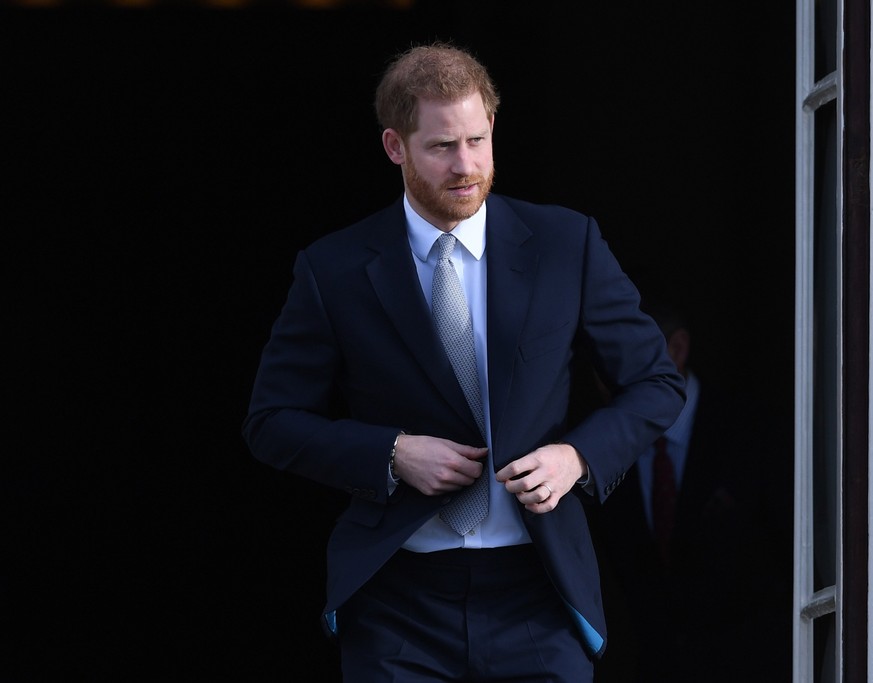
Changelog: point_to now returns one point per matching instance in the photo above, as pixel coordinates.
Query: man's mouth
(466, 188)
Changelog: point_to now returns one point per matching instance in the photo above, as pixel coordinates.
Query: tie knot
(446, 243)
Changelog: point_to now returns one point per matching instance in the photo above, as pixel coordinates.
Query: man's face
(448, 167)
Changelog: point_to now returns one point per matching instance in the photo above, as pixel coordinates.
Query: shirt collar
(422, 235)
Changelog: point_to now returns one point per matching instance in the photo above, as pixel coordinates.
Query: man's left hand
(540, 478)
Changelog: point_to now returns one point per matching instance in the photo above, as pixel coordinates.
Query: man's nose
(464, 162)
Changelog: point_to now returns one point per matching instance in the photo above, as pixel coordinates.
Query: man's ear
(679, 346)
(394, 147)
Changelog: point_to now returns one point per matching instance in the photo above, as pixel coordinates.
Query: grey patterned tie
(455, 328)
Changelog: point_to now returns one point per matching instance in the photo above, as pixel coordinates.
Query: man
(361, 389)
(692, 603)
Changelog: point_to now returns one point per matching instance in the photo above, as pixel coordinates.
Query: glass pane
(825, 343)
(825, 655)
(825, 38)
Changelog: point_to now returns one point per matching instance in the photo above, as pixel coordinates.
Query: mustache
(464, 181)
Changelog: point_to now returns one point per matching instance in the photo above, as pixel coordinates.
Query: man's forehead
(453, 117)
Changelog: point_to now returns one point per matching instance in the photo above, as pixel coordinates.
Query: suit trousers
(461, 615)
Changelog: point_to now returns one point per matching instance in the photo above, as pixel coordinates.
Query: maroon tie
(663, 498)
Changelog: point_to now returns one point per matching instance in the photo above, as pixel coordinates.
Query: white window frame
(811, 95)
(833, 349)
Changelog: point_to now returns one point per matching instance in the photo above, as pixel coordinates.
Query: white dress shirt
(503, 525)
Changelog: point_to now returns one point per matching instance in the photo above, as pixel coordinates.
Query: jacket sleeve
(629, 353)
(294, 420)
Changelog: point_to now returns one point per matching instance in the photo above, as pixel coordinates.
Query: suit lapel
(511, 268)
(395, 280)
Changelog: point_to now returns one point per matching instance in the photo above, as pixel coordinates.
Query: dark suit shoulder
(370, 230)
(536, 213)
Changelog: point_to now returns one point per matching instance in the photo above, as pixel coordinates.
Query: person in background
(709, 597)
(425, 362)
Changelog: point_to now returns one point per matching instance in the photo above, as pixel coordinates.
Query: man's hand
(437, 466)
(540, 478)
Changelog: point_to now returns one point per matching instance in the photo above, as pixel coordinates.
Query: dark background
(162, 168)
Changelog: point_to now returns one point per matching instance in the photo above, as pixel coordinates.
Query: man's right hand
(437, 466)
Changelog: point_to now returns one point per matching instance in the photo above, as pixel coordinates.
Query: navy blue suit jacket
(353, 358)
